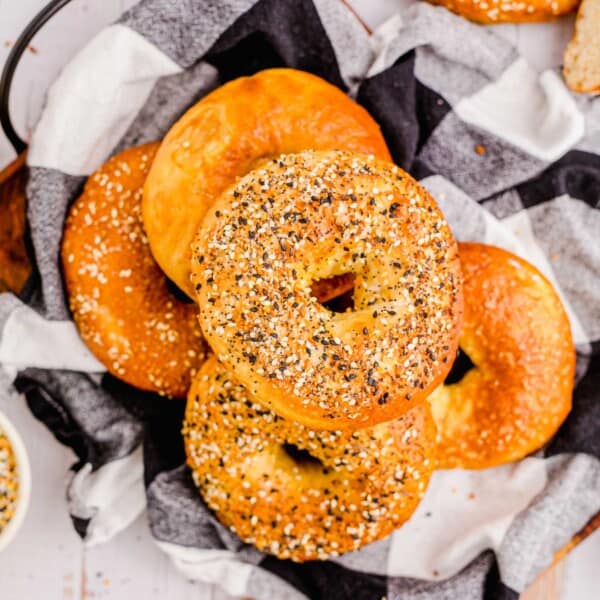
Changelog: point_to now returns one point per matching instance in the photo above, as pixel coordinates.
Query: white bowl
(24, 475)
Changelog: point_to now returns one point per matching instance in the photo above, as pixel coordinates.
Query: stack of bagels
(269, 261)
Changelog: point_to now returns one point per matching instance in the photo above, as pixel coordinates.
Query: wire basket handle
(10, 67)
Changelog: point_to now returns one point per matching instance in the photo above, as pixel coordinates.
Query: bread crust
(576, 53)
(309, 216)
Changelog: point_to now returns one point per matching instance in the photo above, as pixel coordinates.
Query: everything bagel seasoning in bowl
(9, 482)
(14, 481)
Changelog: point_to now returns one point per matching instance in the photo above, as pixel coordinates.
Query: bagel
(298, 493)
(515, 11)
(225, 134)
(119, 298)
(310, 216)
(517, 335)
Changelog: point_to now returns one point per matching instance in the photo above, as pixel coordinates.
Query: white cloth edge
(95, 99)
(221, 568)
(520, 226)
(29, 340)
(111, 497)
(471, 521)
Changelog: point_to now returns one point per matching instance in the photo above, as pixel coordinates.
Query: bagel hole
(300, 456)
(335, 293)
(178, 293)
(461, 366)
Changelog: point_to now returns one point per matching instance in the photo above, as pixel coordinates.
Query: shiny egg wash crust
(509, 11)
(518, 336)
(310, 216)
(358, 487)
(118, 295)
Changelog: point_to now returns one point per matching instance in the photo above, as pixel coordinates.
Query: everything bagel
(311, 216)
(119, 298)
(298, 493)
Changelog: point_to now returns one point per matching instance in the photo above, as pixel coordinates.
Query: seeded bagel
(295, 492)
(513, 11)
(120, 299)
(311, 216)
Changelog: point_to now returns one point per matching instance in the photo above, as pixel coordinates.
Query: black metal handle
(11, 64)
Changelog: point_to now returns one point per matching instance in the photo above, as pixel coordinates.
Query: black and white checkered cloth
(510, 155)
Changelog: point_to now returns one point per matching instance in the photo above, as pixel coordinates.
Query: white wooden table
(47, 559)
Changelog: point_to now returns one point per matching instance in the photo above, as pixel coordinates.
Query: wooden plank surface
(47, 560)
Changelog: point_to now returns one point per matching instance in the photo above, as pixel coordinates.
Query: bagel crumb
(518, 388)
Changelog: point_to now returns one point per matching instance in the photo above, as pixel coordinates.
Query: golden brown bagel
(226, 133)
(295, 492)
(518, 336)
(513, 11)
(309, 216)
(119, 297)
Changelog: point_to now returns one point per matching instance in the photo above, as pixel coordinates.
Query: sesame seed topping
(297, 492)
(119, 297)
